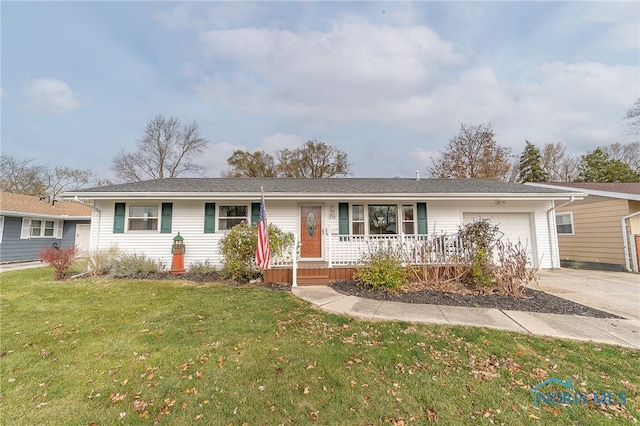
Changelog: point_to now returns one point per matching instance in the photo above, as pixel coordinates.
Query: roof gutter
(625, 239)
(553, 233)
(332, 196)
(43, 215)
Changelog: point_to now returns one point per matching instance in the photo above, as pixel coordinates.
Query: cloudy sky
(387, 82)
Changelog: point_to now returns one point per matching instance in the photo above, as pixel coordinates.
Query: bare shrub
(101, 261)
(439, 262)
(512, 272)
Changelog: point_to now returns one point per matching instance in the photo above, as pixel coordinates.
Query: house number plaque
(311, 224)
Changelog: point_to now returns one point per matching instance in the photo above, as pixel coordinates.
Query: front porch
(344, 254)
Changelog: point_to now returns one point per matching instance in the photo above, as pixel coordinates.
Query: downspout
(551, 233)
(626, 245)
(97, 210)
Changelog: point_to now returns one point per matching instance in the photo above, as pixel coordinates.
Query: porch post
(294, 279)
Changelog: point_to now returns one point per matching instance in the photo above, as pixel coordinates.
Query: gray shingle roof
(336, 186)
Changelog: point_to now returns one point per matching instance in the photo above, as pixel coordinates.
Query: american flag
(263, 254)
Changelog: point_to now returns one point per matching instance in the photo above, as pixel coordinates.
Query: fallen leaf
(432, 416)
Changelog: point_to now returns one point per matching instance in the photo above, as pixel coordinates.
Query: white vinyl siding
(189, 216)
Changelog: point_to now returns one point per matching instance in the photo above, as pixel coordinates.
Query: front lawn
(175, 352)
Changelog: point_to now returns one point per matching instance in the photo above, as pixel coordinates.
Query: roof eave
(610, 194)
(43, 215)
(327, 196)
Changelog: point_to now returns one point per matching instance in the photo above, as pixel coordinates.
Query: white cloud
(409, 78)
(621, 17)
(214, 159)
(50, 96)
(355, 70)
(278, 141)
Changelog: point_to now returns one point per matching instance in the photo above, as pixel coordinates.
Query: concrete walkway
(15, 266)
(622, 332)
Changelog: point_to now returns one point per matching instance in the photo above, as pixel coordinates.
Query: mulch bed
(532, 301)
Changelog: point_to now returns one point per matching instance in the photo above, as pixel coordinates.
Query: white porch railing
(349, 250)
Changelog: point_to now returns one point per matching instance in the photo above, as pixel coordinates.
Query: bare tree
(62, 179)
(633, 115)
(560, 166)
(21, 176)
(473, 153)
(313, 159)
(247, 164)
(168, 149)
(627, 153)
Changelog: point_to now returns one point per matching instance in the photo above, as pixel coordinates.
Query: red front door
(311, 231)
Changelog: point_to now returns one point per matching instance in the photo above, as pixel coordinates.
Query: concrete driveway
(615, 292)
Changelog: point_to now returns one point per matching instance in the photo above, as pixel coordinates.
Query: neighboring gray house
(334, 219)
(28, 224)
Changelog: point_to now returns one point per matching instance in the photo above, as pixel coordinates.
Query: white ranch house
(334, 220)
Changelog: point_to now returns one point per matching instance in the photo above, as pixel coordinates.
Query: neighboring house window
(564, 223)
(41, 228)
(408, 226)
(357, 219)
(143, 218)
(1, 227)
(230, 216)
(383, 219)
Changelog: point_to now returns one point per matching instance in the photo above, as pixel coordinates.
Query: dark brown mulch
(533, 300)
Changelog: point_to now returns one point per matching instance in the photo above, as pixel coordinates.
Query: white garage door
(515, 227)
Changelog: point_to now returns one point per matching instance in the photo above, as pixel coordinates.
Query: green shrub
(481, 275)
(238, 249)
(382, 269)
(130, 264)
(478, 240)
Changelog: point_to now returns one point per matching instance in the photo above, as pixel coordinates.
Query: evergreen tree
(598, 166)
(531, 165)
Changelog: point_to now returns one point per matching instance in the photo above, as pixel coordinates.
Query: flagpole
(263, 254)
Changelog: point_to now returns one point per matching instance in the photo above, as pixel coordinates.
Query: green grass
(134, 352)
